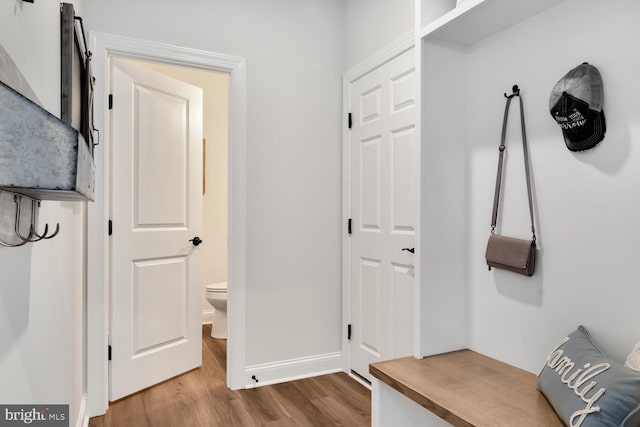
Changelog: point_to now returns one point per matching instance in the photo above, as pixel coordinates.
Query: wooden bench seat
(466, 388)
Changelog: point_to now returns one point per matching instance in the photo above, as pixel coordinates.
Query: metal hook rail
(18, 237)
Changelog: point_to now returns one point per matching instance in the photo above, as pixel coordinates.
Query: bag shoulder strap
(501, 148)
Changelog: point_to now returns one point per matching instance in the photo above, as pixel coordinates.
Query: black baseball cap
(576, 105)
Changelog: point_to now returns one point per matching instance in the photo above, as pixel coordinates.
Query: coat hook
(33, 235)
(32, 229)
(55, 233)
(11, 245)
(516, 92)
(35, 203)
(18, 200)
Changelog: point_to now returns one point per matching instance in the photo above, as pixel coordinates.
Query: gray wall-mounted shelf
(40, 155)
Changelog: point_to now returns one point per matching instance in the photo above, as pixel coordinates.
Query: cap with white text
(576, 103)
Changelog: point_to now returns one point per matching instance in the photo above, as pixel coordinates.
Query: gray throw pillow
(586, 389)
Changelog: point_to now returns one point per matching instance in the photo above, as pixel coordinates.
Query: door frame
(380, 58)
(104, 46)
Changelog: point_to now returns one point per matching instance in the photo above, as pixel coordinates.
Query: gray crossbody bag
(509, 253)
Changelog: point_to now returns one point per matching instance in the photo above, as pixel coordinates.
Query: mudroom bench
(461, 388)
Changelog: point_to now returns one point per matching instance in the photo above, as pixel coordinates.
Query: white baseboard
(293, 369)
(82, 419)
(207, 316)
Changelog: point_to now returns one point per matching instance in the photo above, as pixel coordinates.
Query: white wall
(215, 200)
(587, 204)
(294, 65)
(371, 25)
(41, 289)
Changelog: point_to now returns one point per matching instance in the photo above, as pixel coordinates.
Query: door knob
(412, 250)
(196, 241)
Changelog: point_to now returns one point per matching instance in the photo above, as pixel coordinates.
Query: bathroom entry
(168, 310)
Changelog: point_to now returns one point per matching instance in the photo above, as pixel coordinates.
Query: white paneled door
(382, 209)
(156, 208)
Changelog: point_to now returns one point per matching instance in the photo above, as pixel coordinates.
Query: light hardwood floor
(201, 398)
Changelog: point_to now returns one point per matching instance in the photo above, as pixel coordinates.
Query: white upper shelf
(475, 20)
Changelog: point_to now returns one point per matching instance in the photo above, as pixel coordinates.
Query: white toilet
(217, 297)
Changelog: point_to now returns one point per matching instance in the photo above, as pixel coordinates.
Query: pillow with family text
(587, 389)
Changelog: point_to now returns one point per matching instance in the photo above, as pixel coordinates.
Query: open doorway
(105, 48)
(170, 214)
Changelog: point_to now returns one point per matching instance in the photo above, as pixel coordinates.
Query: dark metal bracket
(516, 92)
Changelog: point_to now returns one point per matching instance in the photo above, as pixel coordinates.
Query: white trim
(346, 214)
(375, 403)
(104, 46)
(82, 419)
(383, 56)
(293, 369)
(418, 343)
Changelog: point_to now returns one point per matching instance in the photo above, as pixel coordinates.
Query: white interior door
(156, 208)
(382, 209)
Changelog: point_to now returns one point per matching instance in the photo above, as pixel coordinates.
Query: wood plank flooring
(201, 398)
